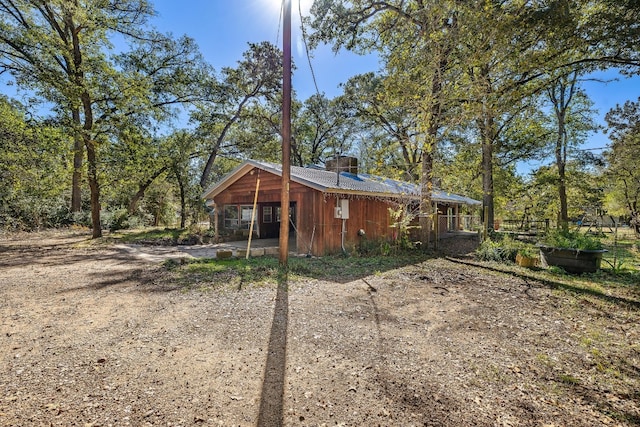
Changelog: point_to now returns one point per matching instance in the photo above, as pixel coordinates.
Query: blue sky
(223, 29)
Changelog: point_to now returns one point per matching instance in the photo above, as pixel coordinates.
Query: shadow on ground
(272, 396)
(631, 303)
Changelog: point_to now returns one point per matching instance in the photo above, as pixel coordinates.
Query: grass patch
(240, 273)
(568, 379)
(211, 274)
(159, 236)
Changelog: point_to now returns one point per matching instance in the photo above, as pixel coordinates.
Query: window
(246, 214)
(278, 213)
(231, 217)
(238, 217)
(267, 214)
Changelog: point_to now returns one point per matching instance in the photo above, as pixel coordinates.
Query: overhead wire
(280, 17)
(315, 84)
(306, 47)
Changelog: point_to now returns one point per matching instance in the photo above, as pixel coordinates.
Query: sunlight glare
(274, 8)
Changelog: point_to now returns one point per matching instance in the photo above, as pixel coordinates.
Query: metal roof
(344, 183)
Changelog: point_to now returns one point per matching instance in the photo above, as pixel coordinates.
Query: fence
(451, 223)
(523, 225)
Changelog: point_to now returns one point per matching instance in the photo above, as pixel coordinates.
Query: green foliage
(229, 102)
(322, 128)
(120, 218)
(61, 55)
(500, 248)
(622, 169)
(162, 236)
(401, 219)
(33, 166)
(529, 251)
(504, 248)
(392, 145)
(571, 239)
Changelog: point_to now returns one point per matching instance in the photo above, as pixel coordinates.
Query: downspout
(344, 231)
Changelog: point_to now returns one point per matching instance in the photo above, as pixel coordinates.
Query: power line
(594, 149)
(306, 47)
(280, 22)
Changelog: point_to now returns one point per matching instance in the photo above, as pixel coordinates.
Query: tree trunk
(561, 163)
(434, 118)
(94, 186)
(562, 193)
(487, 138)
(214, 152)
(561, 95)
(635, 223)
(87, 127)
(487, 183)
(133, 203)
(426, 208)
(78, 155)
(183, 200)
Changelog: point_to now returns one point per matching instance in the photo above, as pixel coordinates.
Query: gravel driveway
(105, 336)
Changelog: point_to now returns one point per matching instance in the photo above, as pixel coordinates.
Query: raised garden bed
(572, 260)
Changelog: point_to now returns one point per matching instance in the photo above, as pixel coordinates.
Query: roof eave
(228, 180)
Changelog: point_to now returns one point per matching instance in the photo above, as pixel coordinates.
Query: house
(329, 209)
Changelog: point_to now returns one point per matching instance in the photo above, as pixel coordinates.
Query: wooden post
(286, 135)
(216, 226)
(253, 217)
(436, 228)
(457, 221)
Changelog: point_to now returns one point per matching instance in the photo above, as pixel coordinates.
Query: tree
(486, 58)
(321, 128)
(572, 120)
(390, 127)
(60, 51)
(52, 48)
(598, 34)
(622, 158)
(257, 77)
(35, 159)
(416, 40)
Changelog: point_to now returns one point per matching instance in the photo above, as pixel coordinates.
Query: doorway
(269, 218)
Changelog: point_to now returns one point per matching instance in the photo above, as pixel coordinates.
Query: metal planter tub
(572, 260)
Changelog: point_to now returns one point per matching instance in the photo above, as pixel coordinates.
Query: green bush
(499, 248)
(120, 219)
(571, 240)
(528, 251)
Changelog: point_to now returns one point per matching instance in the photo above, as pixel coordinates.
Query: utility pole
(286, 135)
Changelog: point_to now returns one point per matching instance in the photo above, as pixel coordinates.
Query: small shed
(328, 210)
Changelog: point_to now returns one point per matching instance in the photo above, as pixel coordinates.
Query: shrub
(499, 249)
(571, 240)
(528, 251)
(119, 219)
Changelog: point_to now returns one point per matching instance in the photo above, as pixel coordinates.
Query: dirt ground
(95, 336)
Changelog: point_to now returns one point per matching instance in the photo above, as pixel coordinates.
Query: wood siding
(369, 215)
(317, 231)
